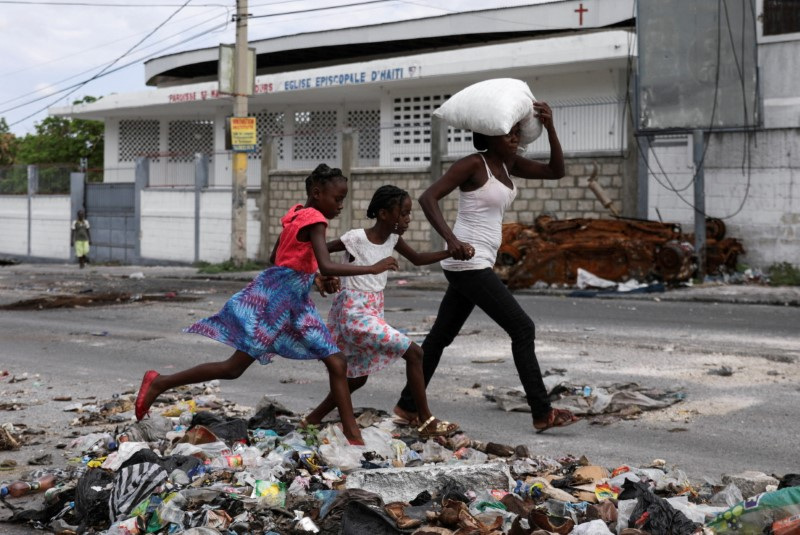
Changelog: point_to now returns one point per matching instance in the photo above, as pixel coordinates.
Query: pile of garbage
(552, 251)
(201, 465)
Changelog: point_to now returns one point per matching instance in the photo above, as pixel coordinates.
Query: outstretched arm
(459, 173)
(417, 258)
(329, 267)
(524, 168)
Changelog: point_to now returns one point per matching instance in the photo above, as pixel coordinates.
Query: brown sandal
(555, 418)
(440, 428)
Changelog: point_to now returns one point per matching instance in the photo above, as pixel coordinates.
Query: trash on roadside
(211, 467)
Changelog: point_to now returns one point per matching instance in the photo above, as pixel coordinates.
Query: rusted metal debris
(552, 250)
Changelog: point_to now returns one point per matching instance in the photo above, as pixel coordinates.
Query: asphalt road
(726, 424)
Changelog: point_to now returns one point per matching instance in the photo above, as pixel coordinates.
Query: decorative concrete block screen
(316, 138)
(408, 142)
(269, 124)
(186, 138)
(138, 138)
(367, 124)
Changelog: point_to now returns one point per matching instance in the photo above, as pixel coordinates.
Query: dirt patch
(101, 299)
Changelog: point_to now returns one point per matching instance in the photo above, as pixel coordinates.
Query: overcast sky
(50, 47)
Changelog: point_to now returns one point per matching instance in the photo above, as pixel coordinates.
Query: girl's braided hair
(321, 175)
(385, 197)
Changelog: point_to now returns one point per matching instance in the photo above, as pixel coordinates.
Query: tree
(8, 144)
(64, 141)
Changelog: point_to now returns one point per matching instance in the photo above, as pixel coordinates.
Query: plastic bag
(754, 514)
(493, 107)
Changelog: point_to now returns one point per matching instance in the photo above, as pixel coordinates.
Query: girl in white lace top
(356, 319)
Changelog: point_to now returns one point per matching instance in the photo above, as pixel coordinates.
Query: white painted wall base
(168, 226)
(50, 228)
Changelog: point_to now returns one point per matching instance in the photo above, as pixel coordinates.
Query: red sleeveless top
(296, 254)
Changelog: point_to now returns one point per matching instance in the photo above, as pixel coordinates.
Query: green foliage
(783, 274)
(64, 141)
(228, 266)
(310, 434)
(8, 144)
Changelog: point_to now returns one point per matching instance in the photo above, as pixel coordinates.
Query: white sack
(492, 108)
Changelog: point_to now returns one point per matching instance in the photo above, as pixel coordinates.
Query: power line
(102, 45)
(98, 4)
(107, 67)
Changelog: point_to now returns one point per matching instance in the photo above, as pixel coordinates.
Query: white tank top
(480, 221)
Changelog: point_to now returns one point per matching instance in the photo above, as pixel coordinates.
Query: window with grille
(367, 123)
(268, 124)
(137, 138)
(315, 136)
(781, 16)
(411, 134)
(186, 138)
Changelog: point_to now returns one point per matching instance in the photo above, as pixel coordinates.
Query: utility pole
(239, 182)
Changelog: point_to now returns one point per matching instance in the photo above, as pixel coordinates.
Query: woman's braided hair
(321, 175)
(385, 197)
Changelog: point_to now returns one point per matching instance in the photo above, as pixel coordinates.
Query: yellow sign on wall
(244, 137)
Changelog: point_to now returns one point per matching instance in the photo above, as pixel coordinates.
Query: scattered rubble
(551, 251)
(204, 466)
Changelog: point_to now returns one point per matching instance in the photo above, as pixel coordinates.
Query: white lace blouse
(366, 253)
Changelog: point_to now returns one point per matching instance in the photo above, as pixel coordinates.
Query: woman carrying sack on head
(485, 192)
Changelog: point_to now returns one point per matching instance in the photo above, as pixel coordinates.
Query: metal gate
(110, 209)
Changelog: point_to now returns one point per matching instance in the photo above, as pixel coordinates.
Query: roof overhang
(366, 81)
(396, 39)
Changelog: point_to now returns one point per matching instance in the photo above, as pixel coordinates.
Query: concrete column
(348, 158)
(142, 180)
(698, 141)
(33, 187)
(269, 161)
(200, 182)
(642, 182)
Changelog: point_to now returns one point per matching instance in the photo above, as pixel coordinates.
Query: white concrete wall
(168, 225)
(14, 222)
(50, 229)
(760, 205)
(50, 226)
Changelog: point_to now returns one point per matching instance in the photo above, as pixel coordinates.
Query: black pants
(483, 288)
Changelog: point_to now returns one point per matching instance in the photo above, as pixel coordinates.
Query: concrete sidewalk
(430, 280)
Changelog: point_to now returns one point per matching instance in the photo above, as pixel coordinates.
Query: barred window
(781, 16)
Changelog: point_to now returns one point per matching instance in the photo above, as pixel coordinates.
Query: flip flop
(556, 418)
(147, 380)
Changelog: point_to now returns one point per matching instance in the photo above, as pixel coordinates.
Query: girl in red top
(274, 314)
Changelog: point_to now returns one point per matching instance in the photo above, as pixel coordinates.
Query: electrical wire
(93, 4)
(102, 45)
(107, 67)
(699, 166)
(121, 67)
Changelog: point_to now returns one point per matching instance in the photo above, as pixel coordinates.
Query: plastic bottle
(21, 488)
